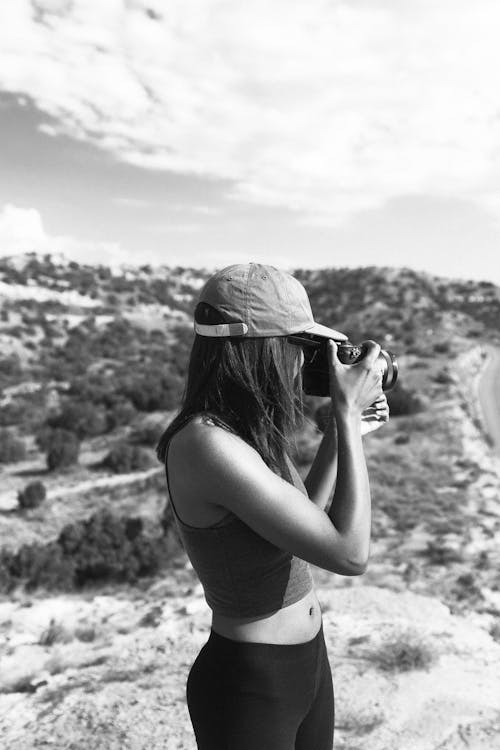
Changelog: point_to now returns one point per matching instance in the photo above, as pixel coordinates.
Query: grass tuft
(55, 633)
(403, 652)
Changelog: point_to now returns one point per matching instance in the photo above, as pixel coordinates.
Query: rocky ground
(108, 671)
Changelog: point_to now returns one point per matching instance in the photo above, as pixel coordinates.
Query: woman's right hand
(353, 388)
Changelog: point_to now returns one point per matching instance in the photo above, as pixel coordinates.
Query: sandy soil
(110, 670)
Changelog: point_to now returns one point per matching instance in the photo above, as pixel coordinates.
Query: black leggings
(261, 696)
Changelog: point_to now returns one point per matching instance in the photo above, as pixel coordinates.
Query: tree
(63, 449)
(32, 496)
(11, 449)
(402, 401)
(123, 458)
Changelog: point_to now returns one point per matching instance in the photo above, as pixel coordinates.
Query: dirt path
(489, 396)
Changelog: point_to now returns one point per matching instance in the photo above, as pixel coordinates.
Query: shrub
(85, 633)
(152, 618)
(106, 547)
(54, 633)
(404, 651)
(442, 347)
(402, 401)
(494, 631)
(43, 436)
(63, 449)
(32, 496)
(402, 438)
(11, 449)
(11, 413)
(123, 458)
(321, 416)
(120, 412)
(440, 554)
(443, 377)
(10, 366)
(466, 590)
(101, 548)
(81, 417)
(147, 434)
(24, 684)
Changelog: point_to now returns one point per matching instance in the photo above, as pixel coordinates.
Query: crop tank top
(242, 574)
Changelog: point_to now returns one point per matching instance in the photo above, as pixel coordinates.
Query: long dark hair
(250, 386)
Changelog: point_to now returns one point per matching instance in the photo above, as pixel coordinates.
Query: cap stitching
(247, 288)
(289, 305)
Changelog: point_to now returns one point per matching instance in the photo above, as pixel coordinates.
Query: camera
(315, 373)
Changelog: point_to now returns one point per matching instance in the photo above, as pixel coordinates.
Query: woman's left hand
(375, 416)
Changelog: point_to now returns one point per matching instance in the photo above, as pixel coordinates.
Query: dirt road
(489, 396)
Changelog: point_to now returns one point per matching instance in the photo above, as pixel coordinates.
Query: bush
(10, 366)
(402, 402)
(154, 390)
(81, 417)
(147, 434)
(63, 449)
(43, 436)
(466, 590)
(32, 496)
(123, 458)
(404, 651)
(11, 449)
(438, 553)
(120, 412)
(85, 633)
(12, 413)
(443, 377)
(103, 548)
(402, 438)
(106, 547)
(494, 631)
(322, 416)
(54, 633)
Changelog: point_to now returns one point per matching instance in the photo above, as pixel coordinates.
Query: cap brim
(329, 333)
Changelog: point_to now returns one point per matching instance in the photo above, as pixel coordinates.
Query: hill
(98, 356)
(100, 612)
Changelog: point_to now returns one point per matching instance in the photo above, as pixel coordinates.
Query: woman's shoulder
(203, 433)
(208, 443)
(207, 460)
(198, 424)
(201, 438)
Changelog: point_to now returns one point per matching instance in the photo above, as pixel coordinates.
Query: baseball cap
(259, 300)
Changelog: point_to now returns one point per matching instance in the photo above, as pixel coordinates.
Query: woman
(248, 523)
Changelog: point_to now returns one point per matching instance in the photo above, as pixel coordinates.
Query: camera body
(315, 373)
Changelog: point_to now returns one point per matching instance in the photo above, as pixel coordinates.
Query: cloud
(122, 200)
(325, 107)
(22, 230)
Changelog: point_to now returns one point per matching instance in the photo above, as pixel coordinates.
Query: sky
(208, 132)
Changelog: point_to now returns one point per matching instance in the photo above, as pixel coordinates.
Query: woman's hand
(375, 416)
(355, 388)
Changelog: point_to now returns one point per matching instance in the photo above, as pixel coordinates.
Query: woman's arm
(350, 510)
(321, 479)
(338, 482)
(322, 476)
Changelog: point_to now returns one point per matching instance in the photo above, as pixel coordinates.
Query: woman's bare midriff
(297, 623)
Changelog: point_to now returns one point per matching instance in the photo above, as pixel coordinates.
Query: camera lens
(389, 369)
